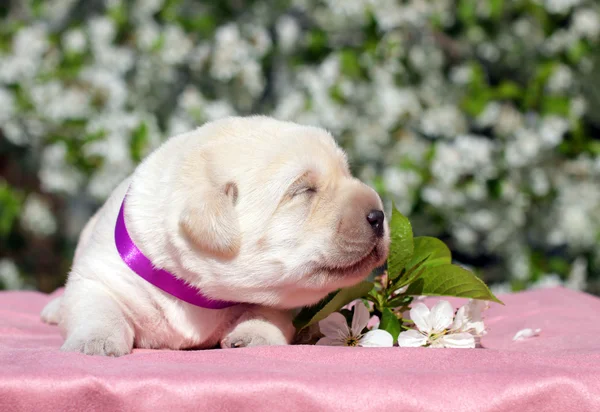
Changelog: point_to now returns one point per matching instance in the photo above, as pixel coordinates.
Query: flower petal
(360, 318)
(377, 338)
(460, 320)
(475, 309)
(411, 339)
(441, 316)
(373, 323)
(334, 325)
(419, 314)
(327, 341)
(526, 333)
(477, 328)
(458, 340)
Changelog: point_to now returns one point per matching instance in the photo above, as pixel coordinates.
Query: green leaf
(432, 249)
(451, 280)
(10, 205)
(139, 138)
(390, 323)
(331, 303)
(466, 12)
(496, 9)
(411, 275)
(508, 90)
(399, 301)
(401, 247)
(350, 65)
(428, 252)
(555, 105)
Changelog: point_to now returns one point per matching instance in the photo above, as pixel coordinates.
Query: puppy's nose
(375, 219)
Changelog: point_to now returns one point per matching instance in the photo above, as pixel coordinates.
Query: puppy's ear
(209, 220)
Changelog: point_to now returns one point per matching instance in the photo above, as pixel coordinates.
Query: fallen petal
(526, 333)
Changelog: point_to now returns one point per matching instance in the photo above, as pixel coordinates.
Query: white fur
(260, 247)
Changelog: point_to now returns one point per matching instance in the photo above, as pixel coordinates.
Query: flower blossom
(337, 333)
(439, 328)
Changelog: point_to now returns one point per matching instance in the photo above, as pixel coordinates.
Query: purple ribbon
(143, 267)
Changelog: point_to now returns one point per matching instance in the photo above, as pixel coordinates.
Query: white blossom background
(480, 119)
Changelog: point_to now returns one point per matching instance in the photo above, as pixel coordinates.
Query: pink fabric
(557, 371)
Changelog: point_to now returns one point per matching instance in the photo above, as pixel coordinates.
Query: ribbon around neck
(162, 279)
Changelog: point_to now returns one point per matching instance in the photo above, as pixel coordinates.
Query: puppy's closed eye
(306, 190)
(303, 185)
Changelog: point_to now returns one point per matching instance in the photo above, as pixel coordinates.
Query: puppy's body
(249, 210)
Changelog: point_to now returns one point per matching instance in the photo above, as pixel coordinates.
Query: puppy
(254, 215)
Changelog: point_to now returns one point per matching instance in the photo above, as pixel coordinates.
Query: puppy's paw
(51, 312)
(254, 332)
(112, 345)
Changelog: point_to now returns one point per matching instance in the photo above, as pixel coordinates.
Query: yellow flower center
(351, 341)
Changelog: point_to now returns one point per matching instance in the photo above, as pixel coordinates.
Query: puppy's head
(273, 216)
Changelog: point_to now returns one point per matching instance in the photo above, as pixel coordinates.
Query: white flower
(436, 327)
(230, 54)
(56, 102)
(252, 78)
(9, 275)
(546, 281)
(7, 103)
(147, 34)
(108, 84)
(31, 41)
(260, 40)
(218, 109)
(560, 6)
(37, 216)
(74, 41)
(526, 333)
(102, 30)
(586, 23)
(144, 9)
(55, 174)
(28, 46)
(523, 149)
(288, 32)
(461, 75)
(465, 155)
(501, 288)
(552, 130)
(445, 121)
(177, 45)
(578, 274)
(337, 333)
(561, 79)
(469, 318)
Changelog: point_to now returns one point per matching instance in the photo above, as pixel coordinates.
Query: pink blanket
(556, 371)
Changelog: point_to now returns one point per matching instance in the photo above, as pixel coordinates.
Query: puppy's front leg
(260, 327)
(94, 323)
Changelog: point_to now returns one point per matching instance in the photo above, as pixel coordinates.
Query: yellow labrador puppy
(215, 236)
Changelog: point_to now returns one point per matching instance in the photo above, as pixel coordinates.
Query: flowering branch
(416, 266)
